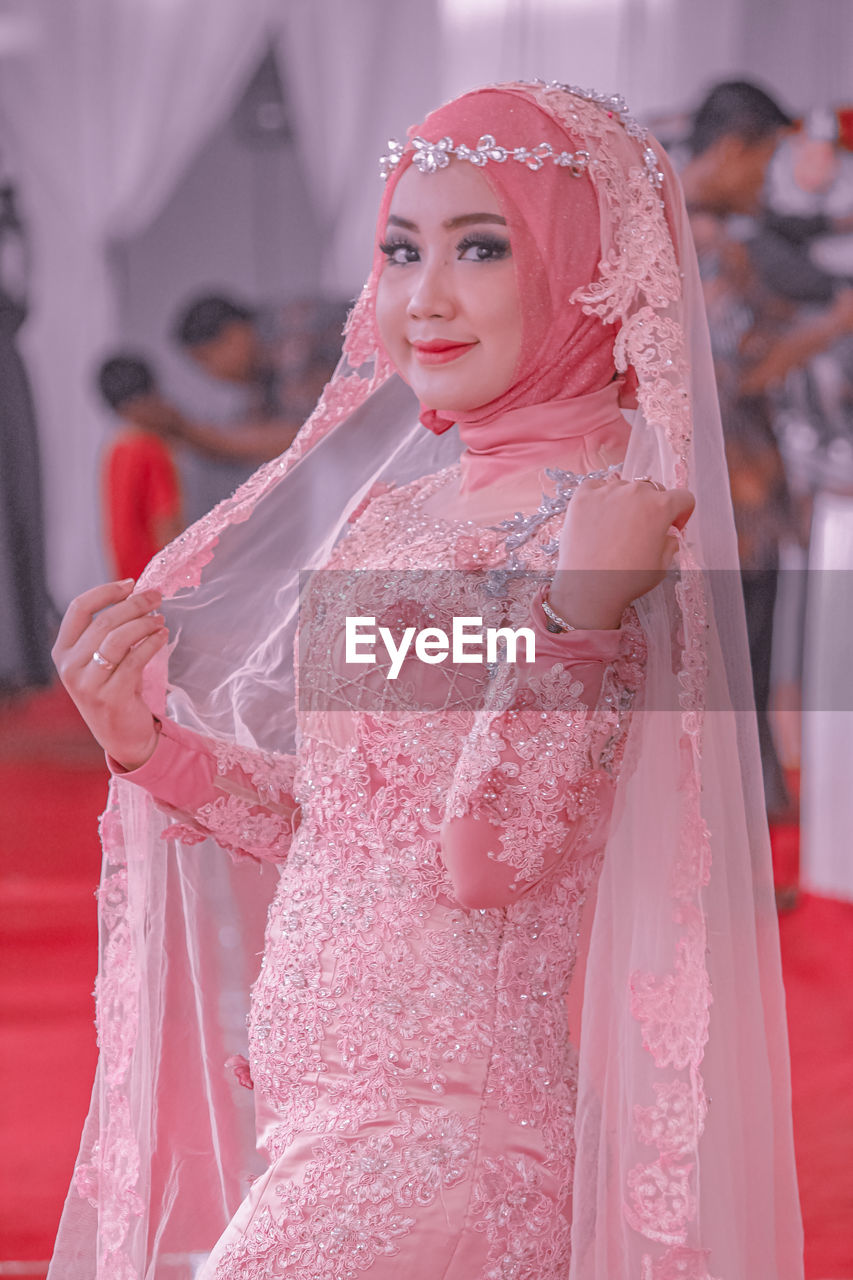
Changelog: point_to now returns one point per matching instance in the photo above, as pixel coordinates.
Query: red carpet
(52, 787)
(817, 951)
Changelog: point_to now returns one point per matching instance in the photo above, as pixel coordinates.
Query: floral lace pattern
(639, 287)
(356, 1199)
(547, 725)
(109, 1177)
(535, 760)
(255, 819)
(677, 1264)
(638, 283)
(376, 987)
(671, 1124)
(513, 1205)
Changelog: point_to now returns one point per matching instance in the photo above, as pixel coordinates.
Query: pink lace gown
(414, 1077)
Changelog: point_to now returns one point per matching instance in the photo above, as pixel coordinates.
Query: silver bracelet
(553, 621)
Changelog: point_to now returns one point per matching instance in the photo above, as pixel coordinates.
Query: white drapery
(105, 110)
(660, 54)
(827, 799)
(357, 73)
(105, 103)
(657, 53)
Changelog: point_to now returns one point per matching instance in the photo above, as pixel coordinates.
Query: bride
(471, 856)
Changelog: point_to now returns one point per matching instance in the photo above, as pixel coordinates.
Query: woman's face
(447, 303)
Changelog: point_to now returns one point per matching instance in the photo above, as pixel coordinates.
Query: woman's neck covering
(578, 433)
(555, 246)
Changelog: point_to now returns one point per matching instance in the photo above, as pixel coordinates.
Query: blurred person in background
(285, 354)
(810, 198)
(224, 338)
(734, 195)
(806, 254)
(26, 613)
(773, 312)
(735, 132)
(140, 486)
(282, 357)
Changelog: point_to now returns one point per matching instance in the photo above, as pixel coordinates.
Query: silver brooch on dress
(429, 157)
(521, 527)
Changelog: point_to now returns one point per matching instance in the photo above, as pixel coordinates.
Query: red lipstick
(440, 350)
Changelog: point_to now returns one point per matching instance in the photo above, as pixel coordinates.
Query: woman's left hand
(617, 544)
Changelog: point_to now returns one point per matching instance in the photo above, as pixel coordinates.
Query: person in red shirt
(140, 486)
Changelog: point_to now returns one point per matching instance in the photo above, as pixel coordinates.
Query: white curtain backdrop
(357, 73)
(657, 53)
(660, 54)
(104, 109)
(104, 103)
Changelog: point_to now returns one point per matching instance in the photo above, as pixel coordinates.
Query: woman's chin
(451, 405)
(441, 395)
(442, 392)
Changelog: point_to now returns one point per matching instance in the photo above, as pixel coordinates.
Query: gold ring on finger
(656, 484)
(100, 661)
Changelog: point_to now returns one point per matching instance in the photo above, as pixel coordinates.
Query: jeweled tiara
(429, 157)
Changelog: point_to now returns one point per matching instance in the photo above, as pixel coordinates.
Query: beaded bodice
(366, 917)
(409, 1024)
(425, 569)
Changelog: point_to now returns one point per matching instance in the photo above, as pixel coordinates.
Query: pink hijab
(553, 222)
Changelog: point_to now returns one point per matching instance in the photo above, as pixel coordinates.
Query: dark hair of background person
(123, 378)
(204, 319)
(736, 108)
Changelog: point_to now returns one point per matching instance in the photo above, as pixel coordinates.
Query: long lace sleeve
(535, 778)
(238, 797)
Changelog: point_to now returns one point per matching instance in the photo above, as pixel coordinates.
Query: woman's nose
(432, 294)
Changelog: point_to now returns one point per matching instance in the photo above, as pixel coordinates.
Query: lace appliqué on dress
(639, 288)
(541, 750)
(355, 1200)
(519, 768)
(515, 1205)
(256, 817)
(109, 1178)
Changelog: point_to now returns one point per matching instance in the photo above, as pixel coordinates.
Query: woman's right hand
(617, 543)
(118, 624)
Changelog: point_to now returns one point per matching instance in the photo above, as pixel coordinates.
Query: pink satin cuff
(179, 773)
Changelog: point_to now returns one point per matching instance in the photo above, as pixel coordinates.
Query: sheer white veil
(685, 1166)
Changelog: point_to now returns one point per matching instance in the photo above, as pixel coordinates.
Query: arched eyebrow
(463, 220)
